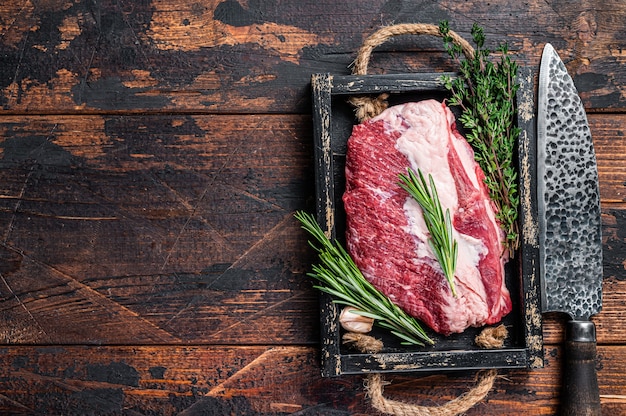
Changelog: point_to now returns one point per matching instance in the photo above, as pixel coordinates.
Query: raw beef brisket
(386, 234)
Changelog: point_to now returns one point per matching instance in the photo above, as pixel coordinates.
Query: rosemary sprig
(439, 225)
(339, 276)
(485, 92)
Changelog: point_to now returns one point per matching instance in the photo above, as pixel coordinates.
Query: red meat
(386, 233)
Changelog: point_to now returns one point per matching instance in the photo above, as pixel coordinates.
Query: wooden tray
(333, 120)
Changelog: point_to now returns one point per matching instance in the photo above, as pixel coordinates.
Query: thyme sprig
(485, 93)
(439, 225)
(339, 276)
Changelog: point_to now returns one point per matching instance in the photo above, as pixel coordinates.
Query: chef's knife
(570, 233)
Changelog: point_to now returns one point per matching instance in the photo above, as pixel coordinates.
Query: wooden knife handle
(580, 394)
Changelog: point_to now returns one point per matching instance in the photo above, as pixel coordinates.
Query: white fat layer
(466, 155)
(470, 249)
(424, 141)
(417, 227)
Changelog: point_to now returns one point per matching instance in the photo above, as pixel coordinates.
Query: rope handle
(459, 405)
(368, 107)
(490, 337)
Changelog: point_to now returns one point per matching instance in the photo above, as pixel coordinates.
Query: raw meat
(386, 233)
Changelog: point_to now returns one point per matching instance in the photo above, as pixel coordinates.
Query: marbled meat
(386, 233)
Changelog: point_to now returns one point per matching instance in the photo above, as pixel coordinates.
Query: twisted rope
(374, 383)
(368, 107)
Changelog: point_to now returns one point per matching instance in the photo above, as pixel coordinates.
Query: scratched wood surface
(152, 154)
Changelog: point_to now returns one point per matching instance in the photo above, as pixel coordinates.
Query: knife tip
(548, 48)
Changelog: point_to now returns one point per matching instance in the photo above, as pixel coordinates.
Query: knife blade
(570, 233)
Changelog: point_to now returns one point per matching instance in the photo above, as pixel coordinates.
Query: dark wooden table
(152, 154)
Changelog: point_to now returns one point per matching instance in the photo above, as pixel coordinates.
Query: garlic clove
(354, 322)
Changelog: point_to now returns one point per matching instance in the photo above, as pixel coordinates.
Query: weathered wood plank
(237, 56)
(144, 221)
(255, 380)
(179, 229)
(610, 146)
(155, 229)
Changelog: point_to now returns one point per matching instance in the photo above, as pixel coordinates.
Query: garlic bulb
(354, 322)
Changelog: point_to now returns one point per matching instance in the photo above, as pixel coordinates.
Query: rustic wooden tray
(333, 121)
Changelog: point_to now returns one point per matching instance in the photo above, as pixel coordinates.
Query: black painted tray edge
(336, 362)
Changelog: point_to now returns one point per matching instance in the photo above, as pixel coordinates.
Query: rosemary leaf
(369, 315)
(439, 225)
(339, 276)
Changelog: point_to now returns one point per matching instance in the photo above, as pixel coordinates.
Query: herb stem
(439, 225)
(338, 275)
(485, 93)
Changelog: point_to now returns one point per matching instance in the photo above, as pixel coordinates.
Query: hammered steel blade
(568, 196)
(570, 234)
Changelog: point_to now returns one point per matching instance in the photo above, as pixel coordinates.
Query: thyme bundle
(485, 93)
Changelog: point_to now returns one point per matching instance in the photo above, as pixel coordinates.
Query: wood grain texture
(179, 229)
(146, 229)
(256, 381)
(152, 154)
(230, 56)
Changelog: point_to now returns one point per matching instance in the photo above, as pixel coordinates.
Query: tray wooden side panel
(325, 208)
(528, 218)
